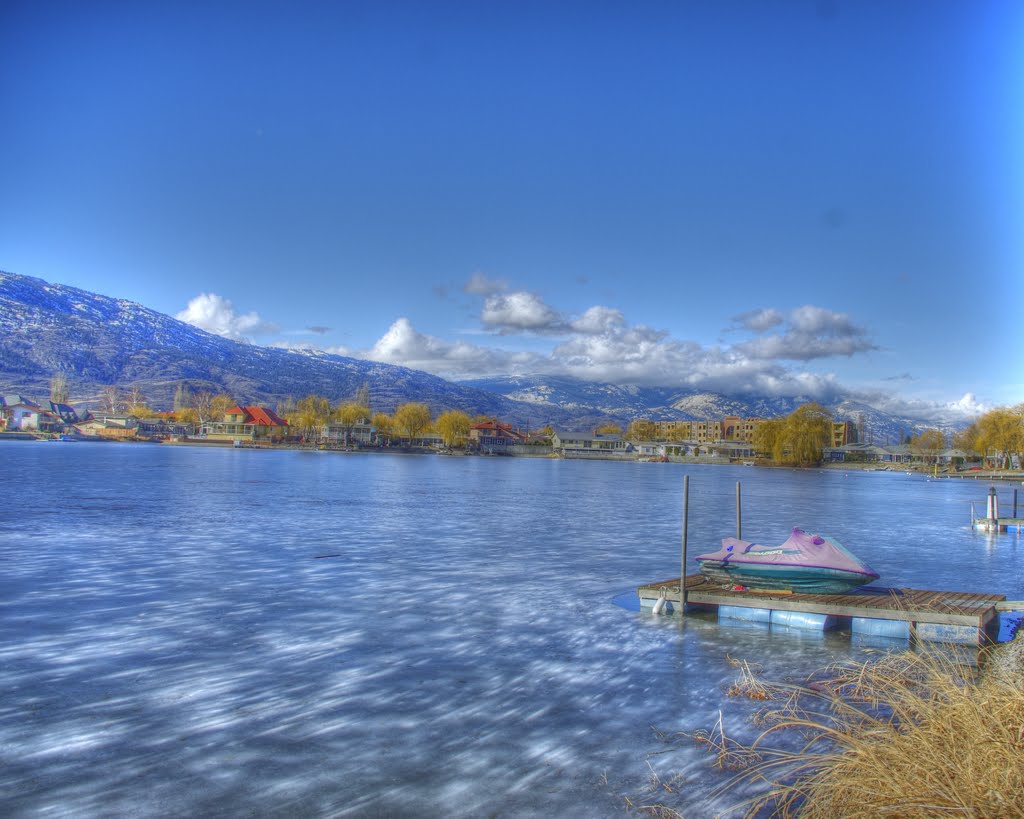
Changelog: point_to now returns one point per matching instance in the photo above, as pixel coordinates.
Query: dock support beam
(682, 566)
(739, 516)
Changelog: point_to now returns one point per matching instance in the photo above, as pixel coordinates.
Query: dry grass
(748, 684)
(908, 735)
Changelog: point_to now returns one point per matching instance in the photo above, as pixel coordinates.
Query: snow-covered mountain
(97, 341)
(626, 403)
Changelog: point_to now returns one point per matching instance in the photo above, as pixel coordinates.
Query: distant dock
(933, 616)
(1000, 524)
(992, 522)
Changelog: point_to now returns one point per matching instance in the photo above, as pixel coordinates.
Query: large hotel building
(734, 428)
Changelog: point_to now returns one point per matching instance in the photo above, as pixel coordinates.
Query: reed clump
(905, 735)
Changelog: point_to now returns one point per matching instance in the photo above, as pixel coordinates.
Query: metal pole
(739, 516)
(1015, 503)
(682, 565)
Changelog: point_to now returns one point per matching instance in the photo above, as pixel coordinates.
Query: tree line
(998, 435)
(798, 438)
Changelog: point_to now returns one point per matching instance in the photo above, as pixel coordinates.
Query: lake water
(242, 633)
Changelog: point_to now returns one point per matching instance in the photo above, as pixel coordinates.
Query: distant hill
(626, 403)
(96, 341)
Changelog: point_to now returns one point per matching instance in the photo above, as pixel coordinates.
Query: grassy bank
(903, 735)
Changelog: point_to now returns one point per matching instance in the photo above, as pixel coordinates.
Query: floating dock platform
(998, 524)
(933, 616)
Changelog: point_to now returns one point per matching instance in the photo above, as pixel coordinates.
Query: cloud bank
(810, 332)
(601, 345)
(520, 333)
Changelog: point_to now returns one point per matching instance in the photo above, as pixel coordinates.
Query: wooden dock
(940, 616)
(994, 525)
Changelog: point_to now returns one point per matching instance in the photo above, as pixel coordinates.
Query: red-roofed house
(247, 424)
(491, 434)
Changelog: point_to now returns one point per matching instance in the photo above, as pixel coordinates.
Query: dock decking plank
(914, 605)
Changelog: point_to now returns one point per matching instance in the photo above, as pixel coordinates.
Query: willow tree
(453, 427)
(220, 404)
(999, 434)
(767, 438)
(967, 439)
(805, 434)
(799, 438)
(349, 414)
(382, 423)
(311, 415)
(929, 444)
(642, 430)
(411, 420)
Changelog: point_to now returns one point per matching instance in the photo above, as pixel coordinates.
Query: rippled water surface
(242, 633)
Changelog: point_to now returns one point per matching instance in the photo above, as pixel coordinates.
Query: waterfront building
(256, 424)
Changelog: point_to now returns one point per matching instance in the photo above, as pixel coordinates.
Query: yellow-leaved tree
(799, 438)
(642, 430)
(411, 420)
(767, 438)
(453, 426)
(928, 444)
(312, 414)
(806, 432)
(998, 435)
(383, 425)
(349, 414)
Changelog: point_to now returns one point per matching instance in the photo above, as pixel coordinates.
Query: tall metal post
(739, 516)
(682, 565)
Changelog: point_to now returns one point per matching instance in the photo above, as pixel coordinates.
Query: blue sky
(778, 197)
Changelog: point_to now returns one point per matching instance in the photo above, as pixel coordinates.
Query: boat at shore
(809, 564)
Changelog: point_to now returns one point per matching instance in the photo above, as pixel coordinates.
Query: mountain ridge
(97, 340)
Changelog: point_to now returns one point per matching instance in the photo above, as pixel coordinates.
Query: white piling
(993, 505)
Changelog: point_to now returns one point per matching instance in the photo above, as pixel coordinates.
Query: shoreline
(910, 469)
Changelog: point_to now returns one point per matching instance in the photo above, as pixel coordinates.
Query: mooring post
(972, 514)
(739, 516)
(682, 565)
(993, 504)
(1015, 503)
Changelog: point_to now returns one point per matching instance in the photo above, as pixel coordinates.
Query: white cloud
(598, 320)
(521, 312)
(215, 314)
(967, 408)
(600, 345)
(404, 345)
(810, 332)
(969, 405)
